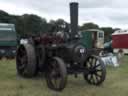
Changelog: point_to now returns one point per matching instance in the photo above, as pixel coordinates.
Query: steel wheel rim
(95, 71)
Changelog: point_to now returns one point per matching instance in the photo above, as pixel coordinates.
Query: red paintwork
(49, 39)
(120, 41)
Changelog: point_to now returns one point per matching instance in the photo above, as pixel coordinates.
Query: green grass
(116, 83)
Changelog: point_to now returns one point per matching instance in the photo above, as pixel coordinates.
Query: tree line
(31, 24)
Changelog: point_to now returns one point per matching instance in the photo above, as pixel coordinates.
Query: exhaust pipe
(74, 18)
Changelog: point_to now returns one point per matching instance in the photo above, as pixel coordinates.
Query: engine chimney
(74, 18)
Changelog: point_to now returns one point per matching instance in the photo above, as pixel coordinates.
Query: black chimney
(74, 18)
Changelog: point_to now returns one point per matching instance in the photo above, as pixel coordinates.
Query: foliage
(58, 25)
(107, 33)
(30, 24)
(4, 17)
(89, 25)
(33, 24)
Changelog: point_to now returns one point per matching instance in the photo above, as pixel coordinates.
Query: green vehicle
(8, 40)
(93, 38)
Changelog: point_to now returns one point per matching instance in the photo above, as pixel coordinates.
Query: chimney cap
(73, 2)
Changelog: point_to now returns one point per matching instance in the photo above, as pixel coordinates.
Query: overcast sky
(112, 13)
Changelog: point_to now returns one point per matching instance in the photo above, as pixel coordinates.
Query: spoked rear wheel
(26, 60)
(96, 70)
(56, 76)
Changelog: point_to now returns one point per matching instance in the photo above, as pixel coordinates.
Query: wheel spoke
(91, 62)
(21, 67)
(97, 65)
(98, 70)
(23, 59)
(55, 82)
(96, 79)
(87, 65)
(58, 82)
(97, 75)
(55, 78)
(94, 61)
(91, 78)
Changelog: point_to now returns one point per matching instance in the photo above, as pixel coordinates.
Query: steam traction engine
(58, 55)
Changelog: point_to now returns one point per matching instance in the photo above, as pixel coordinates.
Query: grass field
(116, 83)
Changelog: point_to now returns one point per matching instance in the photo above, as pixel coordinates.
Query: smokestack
(74, 18)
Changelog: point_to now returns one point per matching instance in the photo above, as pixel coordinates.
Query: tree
(107, 33)
(58, 25)
(89, 25)
(115, 29)
(29, 24)
(33, 24)
(20, 27)
(4, 17)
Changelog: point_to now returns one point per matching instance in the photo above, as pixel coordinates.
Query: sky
(105, 13)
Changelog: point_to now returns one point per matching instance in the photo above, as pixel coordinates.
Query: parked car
(8, 40)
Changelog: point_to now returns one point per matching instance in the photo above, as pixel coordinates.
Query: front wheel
(56, 76)
(96, 70)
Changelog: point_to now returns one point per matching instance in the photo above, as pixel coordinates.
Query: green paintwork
(87, 39)
(8, 43)
(7, 35)
(92, 37)
(8, 40)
